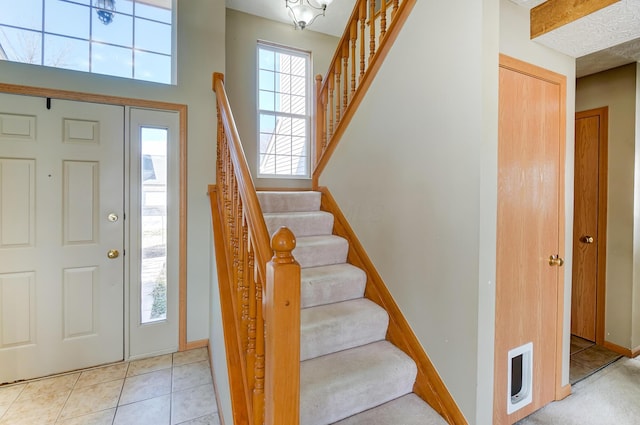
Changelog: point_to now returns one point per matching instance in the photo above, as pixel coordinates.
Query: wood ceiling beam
(553, 14)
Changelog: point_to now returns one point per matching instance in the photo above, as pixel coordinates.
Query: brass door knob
(113, 253)
(586, 239)
(556, 260)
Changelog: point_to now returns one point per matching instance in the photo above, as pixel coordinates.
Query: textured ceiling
(602, 40)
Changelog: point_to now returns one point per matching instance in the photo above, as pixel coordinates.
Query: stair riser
(336, 327)
(301, 224)
(274, 202)
(331, 284)
(339, 385)
(324, 253)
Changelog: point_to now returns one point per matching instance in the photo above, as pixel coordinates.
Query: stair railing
(262, 338)
(370, 32)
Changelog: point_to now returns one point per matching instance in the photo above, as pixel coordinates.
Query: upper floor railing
(370, 32)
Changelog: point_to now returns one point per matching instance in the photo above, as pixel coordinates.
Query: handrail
(340, 92)
(243, 176)
(262, 339)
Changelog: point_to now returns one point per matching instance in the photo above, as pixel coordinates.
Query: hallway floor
(588, 358)
(164, 390)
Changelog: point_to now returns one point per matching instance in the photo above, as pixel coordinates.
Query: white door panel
(61, 175)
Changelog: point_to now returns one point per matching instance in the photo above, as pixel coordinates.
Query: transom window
(283, 111)
(124, 38)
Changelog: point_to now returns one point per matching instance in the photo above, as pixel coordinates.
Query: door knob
(556, 260)
(586, 239)
(113, 217)
(113, 253)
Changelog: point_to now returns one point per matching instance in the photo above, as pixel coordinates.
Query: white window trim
(308, 104)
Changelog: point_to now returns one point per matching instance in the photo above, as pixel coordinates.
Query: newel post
(282, 329)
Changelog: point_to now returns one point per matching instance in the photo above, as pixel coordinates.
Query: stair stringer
(429, 386)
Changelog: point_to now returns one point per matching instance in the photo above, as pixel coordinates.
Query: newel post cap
(283, 242)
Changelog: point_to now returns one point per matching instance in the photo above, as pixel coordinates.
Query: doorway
(94, 157)
(590, 225)
(61, 235)
(530, 242)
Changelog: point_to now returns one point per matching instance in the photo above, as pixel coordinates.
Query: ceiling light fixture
(304, 12)
(105, 10)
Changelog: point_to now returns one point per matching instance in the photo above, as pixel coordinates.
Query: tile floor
(588, 358)
(169, 389)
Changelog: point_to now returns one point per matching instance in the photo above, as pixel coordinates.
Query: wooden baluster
(330, 107)
(396, 4)
(337, 73)
(372, 28)
(242, 281)
(363, 19)
(320, 143)
(345, 72)
(251, 343)
(383, 19)
(325, 106)
(353, 35)
(282, 313)
(258, 388)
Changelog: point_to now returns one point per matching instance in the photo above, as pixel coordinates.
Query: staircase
(349, 373)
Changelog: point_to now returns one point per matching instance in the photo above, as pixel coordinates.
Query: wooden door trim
(182, 226)
(601, 235)
(517, 65)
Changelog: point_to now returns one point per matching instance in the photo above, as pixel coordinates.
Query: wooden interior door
(589, 225)
(529, 289)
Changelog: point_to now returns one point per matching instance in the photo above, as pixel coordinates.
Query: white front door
(61, 235)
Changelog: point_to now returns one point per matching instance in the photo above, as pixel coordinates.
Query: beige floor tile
(155, 411)
(212, 419)
(138, 367)
(10, 393)
(41, 410)
(143, 387)
(193, 403)
(95, 398)
(104, 417)
(3, 409)
(191, 356)
(49, 385)
(102, 374)
(191, 375)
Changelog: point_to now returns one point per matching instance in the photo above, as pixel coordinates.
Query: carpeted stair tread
(306, 223)
(335, 327)
(406, 410)
(273, 202)
(339, 385)
(313, 251)
(330, 284)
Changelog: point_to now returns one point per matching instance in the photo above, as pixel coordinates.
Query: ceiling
(603, 40)
(333, 23)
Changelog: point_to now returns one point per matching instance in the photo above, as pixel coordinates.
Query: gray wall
(409, 174)
(243, 32)
(616, 89)
(419, 185)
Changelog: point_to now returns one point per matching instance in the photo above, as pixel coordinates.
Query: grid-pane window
(123, 38)
(283, 110)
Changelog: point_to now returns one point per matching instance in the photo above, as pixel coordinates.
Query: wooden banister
(262, 339)
(341, 93)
